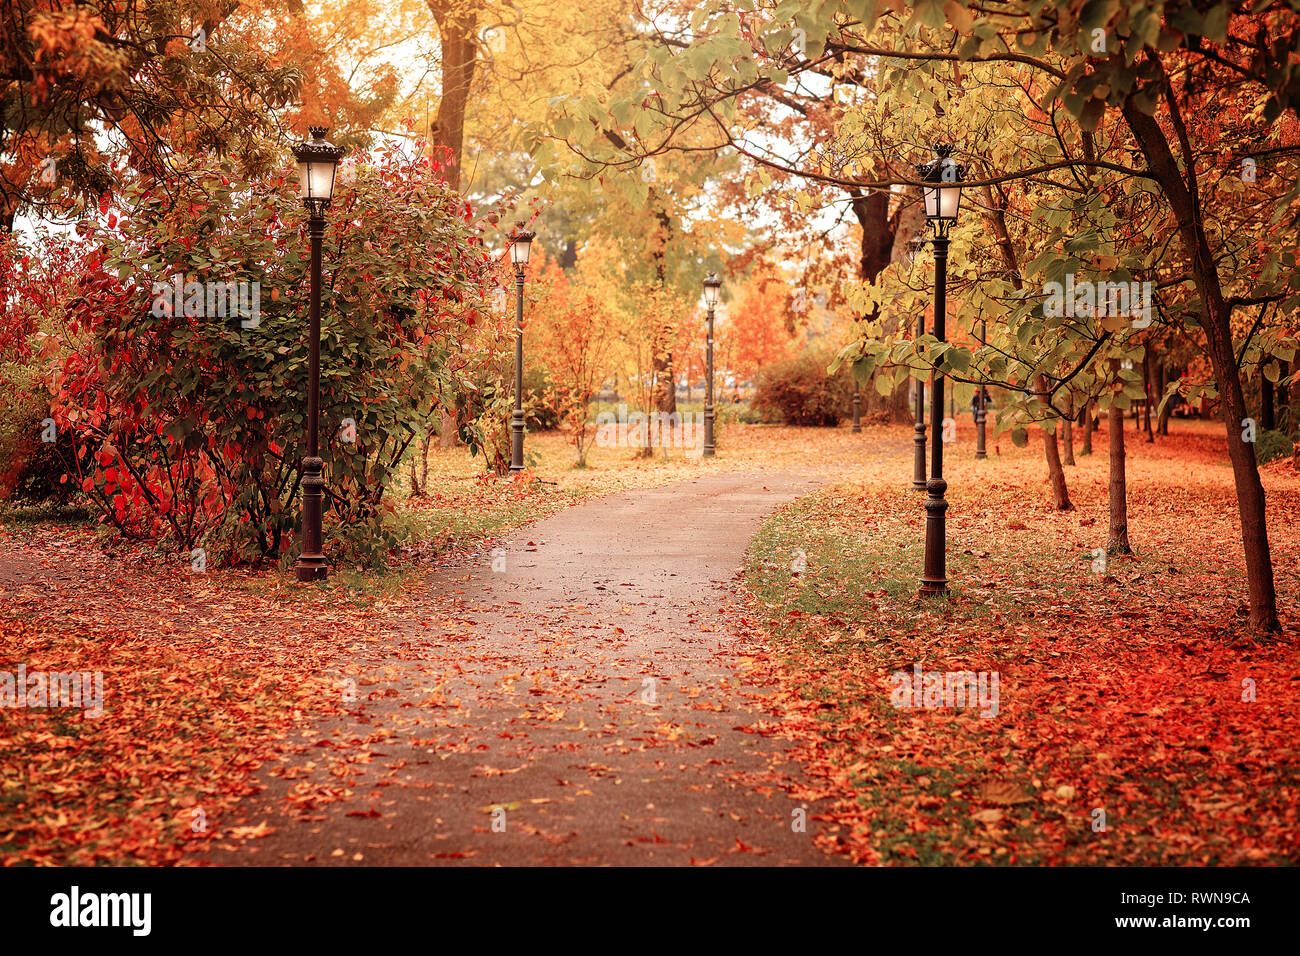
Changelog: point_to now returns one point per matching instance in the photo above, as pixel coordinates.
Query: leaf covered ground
(1120, 687)
(209, 676)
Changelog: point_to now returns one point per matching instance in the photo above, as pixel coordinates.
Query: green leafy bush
(1271, 444)
(800, 391)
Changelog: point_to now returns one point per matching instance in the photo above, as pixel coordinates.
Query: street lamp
(317, 163)
(981, 406)
(520, 243)
(942, 195)
(857, 407)
(712, 286)
(914, 246)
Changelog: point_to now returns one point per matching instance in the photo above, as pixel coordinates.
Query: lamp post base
(517, 442)
(311, 560)
(311, 567)
(918, 457)
(934, 576)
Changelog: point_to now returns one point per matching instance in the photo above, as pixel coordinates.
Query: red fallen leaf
(372, 812)
(251, 833)
(1004, 792)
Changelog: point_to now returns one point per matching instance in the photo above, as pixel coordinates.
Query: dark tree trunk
(1117, 537)
(665, 393)
(1146, 387)
(457, 34)
(1217, 323)
(1285, 420)
(875, 252)
(1067, 430)
(994, 213)
(1267, 417)
(457, 22)
(1052, 452)
(1162, 426)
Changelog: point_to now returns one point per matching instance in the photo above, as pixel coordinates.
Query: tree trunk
(1067, 429)
(1146, 387)
(1217, 323)
(458, 35)
(665, 397)
(457, 22)
(1117, 537)
(1051, 450)
(448, 429)
(1056, 474)
(1087, 429)
(665, 380)
(1285, 420)
(995, 214)
(875, 252)
(1267, 417)
(1162, 376)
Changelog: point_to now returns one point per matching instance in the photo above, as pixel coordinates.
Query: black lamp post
(712, 286)
(317, 163)
(981, 407)
(918, 428)
(942, 202)
(915, 245)
(520, 243)
(857, 407)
